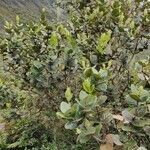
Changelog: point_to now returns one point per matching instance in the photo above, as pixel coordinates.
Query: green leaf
(132, 24)
(78, 131)
(14, 145)
(87, 124)
(64, 107)
(147, 130)
(73, 111)
(116, 139)
(68, 94)
(127, 115)
(93, 59)
(87, 86)
(135, 92)
(134, 88)
(128, 128)
(82, 95)
(130, 145)
(103, 73)
(37, 64)
(17, 20)
(60, 115)
(102, 42)
(88, 102)
(53, 40)
(107, 117)
(102, 99)
(98, 129)
(135, 96)
(83, 138)
(71, 41)
(141, 122)
(131, 101)
(95, 73)
(64, 30)
(102, 87)
(88, 72)
(90, 130)
(70, 125)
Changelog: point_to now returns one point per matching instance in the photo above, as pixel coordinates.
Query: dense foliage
(88, 66)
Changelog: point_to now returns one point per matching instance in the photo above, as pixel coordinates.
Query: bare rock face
(27, 9)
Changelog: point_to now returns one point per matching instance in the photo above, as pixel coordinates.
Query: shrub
(39, 60)
(113, 106)
(86, 64)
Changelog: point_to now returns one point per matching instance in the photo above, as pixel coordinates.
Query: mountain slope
(27, 9)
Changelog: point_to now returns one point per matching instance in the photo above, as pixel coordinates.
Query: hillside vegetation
(79, 84)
